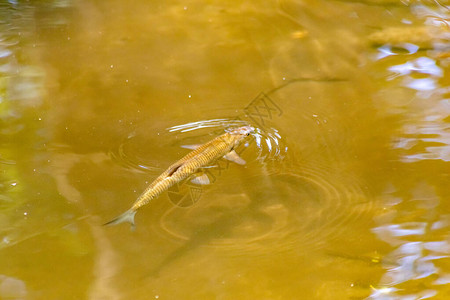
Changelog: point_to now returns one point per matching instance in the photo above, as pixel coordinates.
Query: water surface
(345, 191)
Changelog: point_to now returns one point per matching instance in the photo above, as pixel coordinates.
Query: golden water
(345, 194)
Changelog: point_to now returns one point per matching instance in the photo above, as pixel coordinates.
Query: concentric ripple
(213, 123)
(305, 212)
(293, 209)
(268, 141)
(133, 150)
(130, 155)
(272, 200)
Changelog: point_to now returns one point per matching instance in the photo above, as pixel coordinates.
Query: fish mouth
(244, 130)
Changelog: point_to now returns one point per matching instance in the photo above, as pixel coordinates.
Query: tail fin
(127, 216)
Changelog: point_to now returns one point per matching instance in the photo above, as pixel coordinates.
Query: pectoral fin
(201, 179)
(234, 157)
(192, 147)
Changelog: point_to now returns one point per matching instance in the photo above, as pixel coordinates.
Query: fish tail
(127, 216)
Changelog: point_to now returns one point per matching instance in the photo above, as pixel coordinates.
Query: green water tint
(344, 192)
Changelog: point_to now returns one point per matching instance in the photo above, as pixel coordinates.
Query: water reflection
(428, 138)
(423, 65)
(21, 90)
(388, 50)
(413, 223)
(423, 101)
(417, 255)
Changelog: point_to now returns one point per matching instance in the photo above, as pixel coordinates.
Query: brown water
(345, 194)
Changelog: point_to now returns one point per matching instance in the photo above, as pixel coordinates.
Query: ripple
(270, 144)
(213, 123)
(419, 237)
(133, 150)
(268, 140)
(5, 161)
(298, 207)
(129, 154)
(288, 211)
(429, 137)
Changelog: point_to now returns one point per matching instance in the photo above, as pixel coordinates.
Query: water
(344, 193)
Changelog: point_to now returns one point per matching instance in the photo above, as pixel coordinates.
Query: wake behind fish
(268, 142)
(134, 152)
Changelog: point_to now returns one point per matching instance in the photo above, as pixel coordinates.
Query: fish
(202, 156)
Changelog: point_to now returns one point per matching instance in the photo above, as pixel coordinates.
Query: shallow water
(346, 188)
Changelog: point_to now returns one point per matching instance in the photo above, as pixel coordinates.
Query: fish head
(238, 134)
(242, 131)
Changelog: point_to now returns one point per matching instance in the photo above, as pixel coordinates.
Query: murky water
(345, 193)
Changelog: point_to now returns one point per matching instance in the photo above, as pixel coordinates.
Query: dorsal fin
(192, 147)
(174, 169)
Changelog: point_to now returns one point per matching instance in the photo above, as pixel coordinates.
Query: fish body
(202, 156)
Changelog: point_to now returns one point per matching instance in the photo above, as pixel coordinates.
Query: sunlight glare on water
(344, 193)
